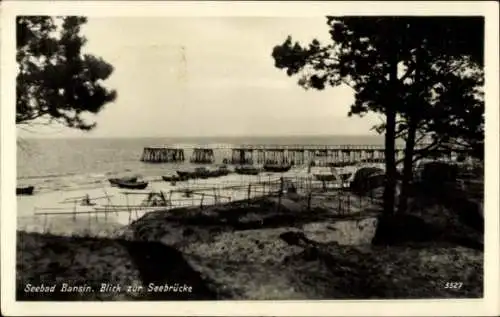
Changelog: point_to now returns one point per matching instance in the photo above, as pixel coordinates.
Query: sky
(209, 76)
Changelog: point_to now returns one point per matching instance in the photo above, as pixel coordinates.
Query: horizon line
(203, 136)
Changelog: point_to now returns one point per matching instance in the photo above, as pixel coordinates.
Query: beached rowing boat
(222, 170)
(247, 170)
(116, 181)
(173, 178)
(185, 174)
(199, 172)
(277, 168)
(28, 190)
(129, 184)
(133, 185)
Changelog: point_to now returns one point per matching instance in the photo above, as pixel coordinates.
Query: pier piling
(162, 155)
(242, 156)
(203, 156)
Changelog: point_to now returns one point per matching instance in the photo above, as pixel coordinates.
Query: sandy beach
(65, 207)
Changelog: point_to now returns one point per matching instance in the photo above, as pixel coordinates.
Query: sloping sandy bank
(255, 250)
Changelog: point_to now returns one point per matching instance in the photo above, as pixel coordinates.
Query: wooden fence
(312, 193)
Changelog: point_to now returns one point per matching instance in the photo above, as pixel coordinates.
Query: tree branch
(27, 118)
(409, 71)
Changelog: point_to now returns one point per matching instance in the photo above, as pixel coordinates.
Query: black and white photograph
(249, 157)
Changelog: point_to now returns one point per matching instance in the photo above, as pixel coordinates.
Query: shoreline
(210, 191)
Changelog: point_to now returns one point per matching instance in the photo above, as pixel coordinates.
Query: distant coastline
(304, 139)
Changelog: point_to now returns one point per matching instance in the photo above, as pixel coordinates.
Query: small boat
(201, 172)
(247, 170)
(116, 181)
(185, 174)
(132, 185)
(220, 171)
(28, 190)
(128, 182)
(173, 178)
(277, 168)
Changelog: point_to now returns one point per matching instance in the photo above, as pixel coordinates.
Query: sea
(59, 164)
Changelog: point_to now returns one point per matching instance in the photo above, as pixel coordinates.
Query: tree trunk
(390, 162)
(407, 166)
(413, 121)
(390, 137)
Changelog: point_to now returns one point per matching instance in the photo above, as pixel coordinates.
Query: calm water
(61, 164)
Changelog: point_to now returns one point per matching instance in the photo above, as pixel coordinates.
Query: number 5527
(453, 285)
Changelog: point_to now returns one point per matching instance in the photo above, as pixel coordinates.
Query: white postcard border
(487, 306)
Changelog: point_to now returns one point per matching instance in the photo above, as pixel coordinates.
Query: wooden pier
(162, 155)
(303, 154)
(276, 154)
